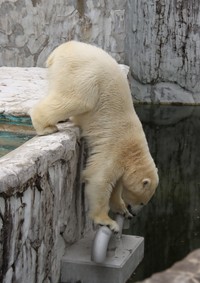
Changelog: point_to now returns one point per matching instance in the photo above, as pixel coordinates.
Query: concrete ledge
(42, 206)
(123, 257)
(35, 157)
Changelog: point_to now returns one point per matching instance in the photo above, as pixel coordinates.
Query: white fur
(87, 84)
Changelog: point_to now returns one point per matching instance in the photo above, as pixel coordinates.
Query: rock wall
(42, 207)
(163, 45)
(30, 30)
(160, 40)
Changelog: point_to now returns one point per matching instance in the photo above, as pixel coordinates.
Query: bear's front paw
(107, 222)
(120, 208)
(48, 130)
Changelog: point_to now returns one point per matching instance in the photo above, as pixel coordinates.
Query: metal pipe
(102, 238)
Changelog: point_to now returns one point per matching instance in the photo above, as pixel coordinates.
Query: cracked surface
(162, 46)
(42, 207)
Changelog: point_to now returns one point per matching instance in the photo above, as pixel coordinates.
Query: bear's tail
(50, 60)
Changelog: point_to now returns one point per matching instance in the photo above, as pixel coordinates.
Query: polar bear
(87, 84)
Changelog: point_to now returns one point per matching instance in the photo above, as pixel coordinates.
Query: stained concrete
(42, 206)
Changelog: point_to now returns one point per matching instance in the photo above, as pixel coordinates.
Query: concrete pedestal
(123, 257)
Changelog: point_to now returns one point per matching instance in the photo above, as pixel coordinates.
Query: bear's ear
(146, 182)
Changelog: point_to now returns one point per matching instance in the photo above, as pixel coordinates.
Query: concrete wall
(42, 207)
(163, 50)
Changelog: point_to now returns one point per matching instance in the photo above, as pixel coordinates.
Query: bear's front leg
(117, 204)
(44, 116)
(99, 195)
(55, 108)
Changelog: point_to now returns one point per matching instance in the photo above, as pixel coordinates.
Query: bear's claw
(111, 224)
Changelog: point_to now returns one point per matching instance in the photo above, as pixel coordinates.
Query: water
(14, 131)
(170, 223)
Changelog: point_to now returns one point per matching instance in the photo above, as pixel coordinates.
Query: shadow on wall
(170, 223)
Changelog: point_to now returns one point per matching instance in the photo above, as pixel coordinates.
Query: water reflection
(171, 222)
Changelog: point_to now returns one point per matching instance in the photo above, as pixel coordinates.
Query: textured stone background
(164, 40)
(159, 39)
(31, 29)
(163, 45)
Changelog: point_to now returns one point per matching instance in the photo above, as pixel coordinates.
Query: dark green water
(14, 131)
(170, 223)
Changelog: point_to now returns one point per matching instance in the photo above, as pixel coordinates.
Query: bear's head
(139, 184)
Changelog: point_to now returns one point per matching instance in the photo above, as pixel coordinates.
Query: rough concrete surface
(185, 271)
(163, 42)
(42, 207)
(21, 88)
